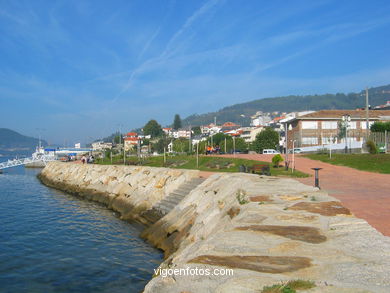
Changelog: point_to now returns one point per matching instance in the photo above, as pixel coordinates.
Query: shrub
(277, 159)
(372, 148)
(322, 151)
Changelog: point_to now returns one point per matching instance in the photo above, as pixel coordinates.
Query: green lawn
(379, 163)
(206, 163)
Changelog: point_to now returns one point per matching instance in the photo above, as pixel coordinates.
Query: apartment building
(325, 127)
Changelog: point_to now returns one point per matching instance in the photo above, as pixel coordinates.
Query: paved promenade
(366, 194)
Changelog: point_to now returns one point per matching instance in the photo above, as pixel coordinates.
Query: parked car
(270, 151)
(381, 147)
(236, 152)
(296, 151)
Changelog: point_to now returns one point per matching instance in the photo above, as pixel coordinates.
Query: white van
(270, 151)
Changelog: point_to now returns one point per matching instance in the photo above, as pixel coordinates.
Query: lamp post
(293, 157)
(286, 141)
(197, 155)
(330, 147)
(346, 119)
(234, 146)
(124, 152)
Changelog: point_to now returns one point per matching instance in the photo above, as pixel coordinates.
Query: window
(363, 124)
(352, 125)
(329, 140)
(309, 124)
(329, 125)
(310, 140)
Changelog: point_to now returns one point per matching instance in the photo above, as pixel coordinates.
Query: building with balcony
(326, 127)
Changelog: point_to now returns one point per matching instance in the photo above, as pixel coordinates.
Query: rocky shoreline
(266, 229)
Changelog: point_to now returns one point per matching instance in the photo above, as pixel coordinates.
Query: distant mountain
(12, 142)
(377, 96)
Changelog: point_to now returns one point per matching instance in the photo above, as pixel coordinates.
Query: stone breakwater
(126, 189)
(266, 229)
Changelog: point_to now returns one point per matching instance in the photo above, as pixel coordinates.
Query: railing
(24, 161)
(381, 139)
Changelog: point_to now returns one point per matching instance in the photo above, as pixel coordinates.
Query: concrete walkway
(366, 194)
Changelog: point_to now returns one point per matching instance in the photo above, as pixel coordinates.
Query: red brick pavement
(366, 194)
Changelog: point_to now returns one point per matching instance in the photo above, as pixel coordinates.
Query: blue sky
(76, 70)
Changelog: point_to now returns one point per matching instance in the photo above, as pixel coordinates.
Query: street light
(293, 157)
(234, 146)
(346, 119)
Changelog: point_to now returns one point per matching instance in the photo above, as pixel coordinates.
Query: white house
(101, 146)
(260, 119)
(181, 133)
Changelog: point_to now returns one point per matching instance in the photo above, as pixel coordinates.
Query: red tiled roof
(339, 113)
(227, 124)
(278, 118)
(132, 134)
(131, 138)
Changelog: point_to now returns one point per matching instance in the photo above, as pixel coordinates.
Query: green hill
(377, 96)
(12, 142)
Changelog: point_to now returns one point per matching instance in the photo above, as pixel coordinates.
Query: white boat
(45, 155)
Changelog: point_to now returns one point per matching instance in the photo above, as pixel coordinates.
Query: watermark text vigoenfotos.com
(193, 272)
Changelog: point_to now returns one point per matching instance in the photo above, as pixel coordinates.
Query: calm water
(54, 242)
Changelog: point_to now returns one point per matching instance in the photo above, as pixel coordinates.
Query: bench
(260, 168)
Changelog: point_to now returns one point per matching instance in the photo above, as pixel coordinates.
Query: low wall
(129, 190)
(266, 229)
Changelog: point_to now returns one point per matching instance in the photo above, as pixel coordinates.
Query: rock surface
(128, 190)
(266, 229)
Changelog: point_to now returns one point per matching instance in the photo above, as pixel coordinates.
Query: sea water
(51, 241)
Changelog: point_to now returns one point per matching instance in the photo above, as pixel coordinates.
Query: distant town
(303, 131)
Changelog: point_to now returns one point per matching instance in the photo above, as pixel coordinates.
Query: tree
(181, 145)
(196, 130)
(239, 143)
(153, 129)
(266, 139)
(342, 127)
(118, 138)
(159, 146)
(177, 122)
(380, 126)
(219, 138)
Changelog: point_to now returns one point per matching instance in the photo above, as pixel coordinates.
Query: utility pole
(234, 146)
(293, 157)
(286, 140)
(189, 143)
(197, 155)
(120, 135)
(124, 153)
(367, 117)
(138, 148)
